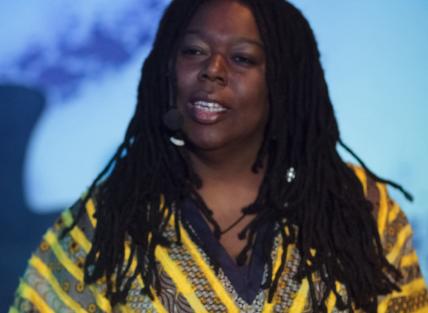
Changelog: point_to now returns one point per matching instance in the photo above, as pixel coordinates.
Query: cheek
(185, 78)
(262, 88)
(181, 83)
(251, 83)
(180, 79)
(262, 94)
(261, 106)
(255, 96)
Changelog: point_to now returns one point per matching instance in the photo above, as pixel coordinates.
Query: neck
(228, 182)
(225, 166)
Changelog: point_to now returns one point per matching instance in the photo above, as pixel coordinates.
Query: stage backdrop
(68, 78)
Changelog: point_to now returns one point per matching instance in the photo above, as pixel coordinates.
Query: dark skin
(221, 64)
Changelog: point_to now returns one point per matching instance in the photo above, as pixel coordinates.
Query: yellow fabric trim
(90, 210)
(382, 214)
(268, 307)
(393, 213)
(279, 252)
(409, 259)
(416, 285)
(74, 270)
(128, 255)
(26, 292)
(162, 201)
(383, 305)
(81, 239)
(125, 309)
(46, 273)
(101, 301)
(424, 309)
(301, 297)
(331, 302)
(406, 290)
(76, 233)
(361, 174)
(402, 237)
(67, 217)
(157, 304)
(180, 280)
(13, 310)
(62, 256)
(216, 285)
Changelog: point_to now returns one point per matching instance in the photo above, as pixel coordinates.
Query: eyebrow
(237, 39)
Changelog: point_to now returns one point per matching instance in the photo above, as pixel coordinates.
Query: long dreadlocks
(322, 210)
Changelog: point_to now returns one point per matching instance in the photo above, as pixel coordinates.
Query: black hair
(323, 208)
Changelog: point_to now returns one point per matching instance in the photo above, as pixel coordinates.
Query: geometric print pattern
(53, 281)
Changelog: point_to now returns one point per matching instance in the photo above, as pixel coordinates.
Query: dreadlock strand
(406, 194)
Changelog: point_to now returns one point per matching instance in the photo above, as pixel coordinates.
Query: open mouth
(209, 106)
(206, 112)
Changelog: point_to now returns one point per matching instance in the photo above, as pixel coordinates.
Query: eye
(192, 51)
(243, 60)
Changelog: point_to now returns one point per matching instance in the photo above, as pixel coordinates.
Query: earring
(290, 175)
(176, 141)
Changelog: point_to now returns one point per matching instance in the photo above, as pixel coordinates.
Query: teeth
(209, 106)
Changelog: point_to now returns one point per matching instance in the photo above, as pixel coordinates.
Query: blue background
(68, 77)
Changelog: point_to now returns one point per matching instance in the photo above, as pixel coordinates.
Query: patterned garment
(53, 281)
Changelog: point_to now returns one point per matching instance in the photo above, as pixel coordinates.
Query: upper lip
(207, 98)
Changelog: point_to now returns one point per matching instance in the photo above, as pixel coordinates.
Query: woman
(227, 194)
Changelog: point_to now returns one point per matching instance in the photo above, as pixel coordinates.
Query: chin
(203, 137)
(204, 145)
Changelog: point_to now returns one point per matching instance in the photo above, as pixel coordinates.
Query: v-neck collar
(246, 279)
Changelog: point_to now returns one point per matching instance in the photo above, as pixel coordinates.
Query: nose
(214, 70)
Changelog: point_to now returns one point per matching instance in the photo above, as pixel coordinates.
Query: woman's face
(221, 85)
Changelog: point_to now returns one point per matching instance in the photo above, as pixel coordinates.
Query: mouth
(208, 106)
(206, 112)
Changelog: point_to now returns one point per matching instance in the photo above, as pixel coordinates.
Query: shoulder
(54, 278)
(385, 209)
(396, 237)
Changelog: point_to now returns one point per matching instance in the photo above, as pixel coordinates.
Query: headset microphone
(173, 120)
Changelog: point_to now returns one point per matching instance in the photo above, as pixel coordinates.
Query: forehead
(225, 18)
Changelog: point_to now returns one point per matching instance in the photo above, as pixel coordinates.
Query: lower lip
(202, 116)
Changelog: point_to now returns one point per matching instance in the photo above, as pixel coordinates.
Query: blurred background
(68, 77)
